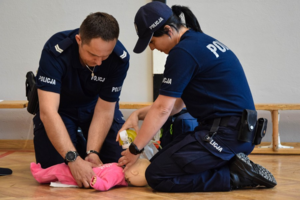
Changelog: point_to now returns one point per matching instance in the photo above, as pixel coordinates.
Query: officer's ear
(78, 39)
(168, 30)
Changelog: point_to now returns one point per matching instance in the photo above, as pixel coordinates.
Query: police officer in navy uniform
(204, 75)
(79, 81)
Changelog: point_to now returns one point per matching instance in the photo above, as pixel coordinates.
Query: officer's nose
(98, 61)
(151, 47)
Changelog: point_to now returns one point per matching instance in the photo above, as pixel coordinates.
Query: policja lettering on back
(217, 45)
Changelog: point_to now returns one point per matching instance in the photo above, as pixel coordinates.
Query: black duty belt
(230, 121)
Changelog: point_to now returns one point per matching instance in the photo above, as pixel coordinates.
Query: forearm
(100, 125)
(178, 106)
(155, 118)
(142, 112)
(98, 131)
(54, 126)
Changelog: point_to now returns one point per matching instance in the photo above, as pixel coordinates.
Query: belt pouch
(247, 127)
(261, 130)
(31, 93)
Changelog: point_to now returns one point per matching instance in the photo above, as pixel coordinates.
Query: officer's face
(163, 43)
(96, 51)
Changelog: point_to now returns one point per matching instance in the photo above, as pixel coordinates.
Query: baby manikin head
(135, 174)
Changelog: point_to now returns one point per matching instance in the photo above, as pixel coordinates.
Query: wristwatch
(92, 151)
(71, 156)
(134, 150)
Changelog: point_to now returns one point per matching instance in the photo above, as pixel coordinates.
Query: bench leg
(275, 144)
(275, 122)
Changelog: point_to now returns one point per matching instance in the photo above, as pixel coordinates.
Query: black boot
(244, 173)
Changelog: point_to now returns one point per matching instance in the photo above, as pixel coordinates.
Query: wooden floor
(21, 185)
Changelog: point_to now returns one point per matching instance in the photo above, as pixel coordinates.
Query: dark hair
(97, 25)
(175, 21)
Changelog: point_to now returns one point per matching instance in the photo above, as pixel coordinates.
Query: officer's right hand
(82, 172)
(131, 122)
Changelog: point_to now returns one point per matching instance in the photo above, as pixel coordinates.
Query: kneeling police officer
(79, 81)
(206, 77)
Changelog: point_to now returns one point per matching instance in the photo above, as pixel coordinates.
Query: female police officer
(204, 75)
(79, 81)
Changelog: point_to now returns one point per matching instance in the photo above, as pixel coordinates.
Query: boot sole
(263, 177)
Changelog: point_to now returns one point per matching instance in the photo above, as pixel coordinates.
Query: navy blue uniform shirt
(208, 77)
(60, 71)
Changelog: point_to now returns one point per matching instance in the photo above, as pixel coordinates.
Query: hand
(82, 172)
(94, 158)
(131, 122)
(127, 159)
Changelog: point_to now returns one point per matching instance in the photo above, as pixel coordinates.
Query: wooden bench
(13, 104)
(274, 148)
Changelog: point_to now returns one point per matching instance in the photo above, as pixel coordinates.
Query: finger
(94, 165)
(120, 164)
(123, 153)
(118, 137)
(122, 161)
(86, 184)
(123, 128)
(79, 183)
(127, 166)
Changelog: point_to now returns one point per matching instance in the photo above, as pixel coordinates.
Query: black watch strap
(92, 151)
(134, 150)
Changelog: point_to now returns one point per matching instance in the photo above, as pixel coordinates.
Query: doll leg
(59, 172)
(108, 177)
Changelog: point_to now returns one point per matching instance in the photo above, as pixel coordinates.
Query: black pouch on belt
(261, 130)
(247, 127)
(31, 93)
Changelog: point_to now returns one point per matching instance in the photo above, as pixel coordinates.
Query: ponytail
(182, 16)
(190, 19)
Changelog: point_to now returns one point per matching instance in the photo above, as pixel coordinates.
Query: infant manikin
(107, 175)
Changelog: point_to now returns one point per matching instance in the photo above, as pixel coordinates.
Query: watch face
(71, 155)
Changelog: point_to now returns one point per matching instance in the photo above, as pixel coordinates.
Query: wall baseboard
(17, 144)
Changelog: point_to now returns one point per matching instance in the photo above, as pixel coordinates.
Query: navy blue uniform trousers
(190, 164)
(73, 119)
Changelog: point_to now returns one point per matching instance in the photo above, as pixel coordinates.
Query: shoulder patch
(58, 48)
(121, 52)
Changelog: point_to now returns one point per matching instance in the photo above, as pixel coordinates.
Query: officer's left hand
(94, 158)
(127, 159)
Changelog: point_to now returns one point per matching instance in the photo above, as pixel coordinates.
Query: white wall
(262, 33)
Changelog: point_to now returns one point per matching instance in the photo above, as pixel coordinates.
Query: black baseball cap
(149, 19)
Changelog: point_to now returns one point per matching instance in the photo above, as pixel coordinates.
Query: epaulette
(121, 52)
(61, 46)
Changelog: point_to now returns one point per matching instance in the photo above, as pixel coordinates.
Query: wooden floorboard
(21, 184)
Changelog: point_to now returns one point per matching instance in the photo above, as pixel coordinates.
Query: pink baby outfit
(107, 176)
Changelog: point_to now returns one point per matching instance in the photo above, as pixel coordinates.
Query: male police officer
(79, 80)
